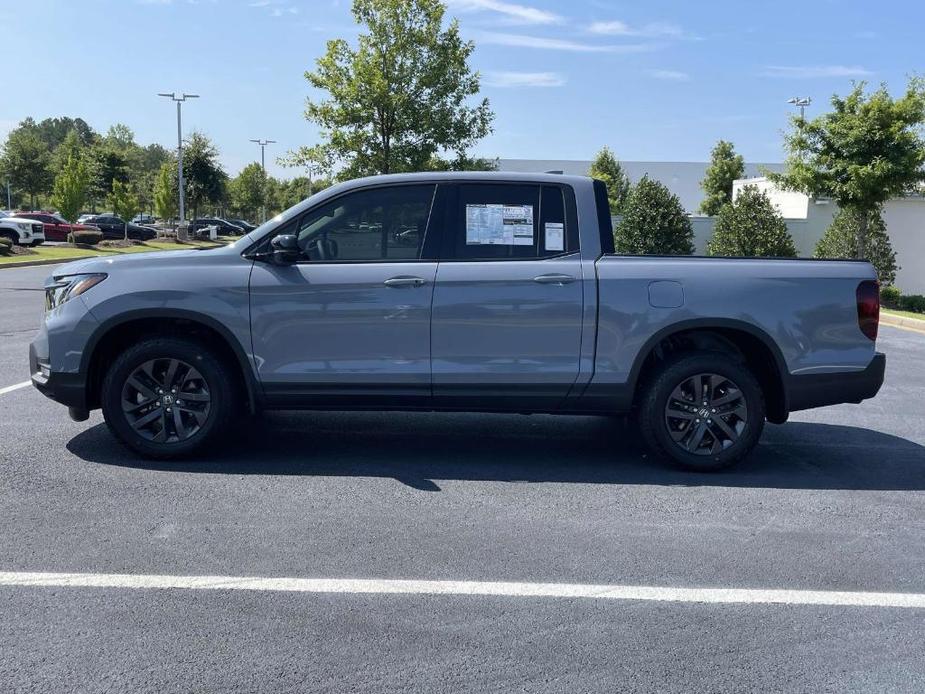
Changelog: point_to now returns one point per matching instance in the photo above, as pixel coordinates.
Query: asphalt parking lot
(832, 501)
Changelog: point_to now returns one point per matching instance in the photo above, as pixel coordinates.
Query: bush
(751, 226)
(840, 241)
(913, 302)
(653, 223)
(890, 296)
(86, 237)
(6, 246)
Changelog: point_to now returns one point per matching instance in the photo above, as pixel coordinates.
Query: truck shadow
(419, 450)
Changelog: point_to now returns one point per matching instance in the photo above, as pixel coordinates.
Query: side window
(385, 223)
(509, 221)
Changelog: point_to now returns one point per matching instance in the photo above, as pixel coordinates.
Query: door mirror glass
(285, 248)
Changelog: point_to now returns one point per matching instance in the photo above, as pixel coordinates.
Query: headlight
(24, 226)
(69, 286)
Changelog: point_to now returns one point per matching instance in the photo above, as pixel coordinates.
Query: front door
(507, 312)
(349, 324)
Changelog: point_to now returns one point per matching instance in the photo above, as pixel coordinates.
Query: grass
(65, 253)
(904, 314)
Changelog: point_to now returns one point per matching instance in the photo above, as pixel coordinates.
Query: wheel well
(122, 336)
(745, 347)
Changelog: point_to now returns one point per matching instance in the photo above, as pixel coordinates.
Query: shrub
(6, 246)
(751, 226)
(86, 237)
(890, 296)
(653, 223)
(913, 302)
(840, 241)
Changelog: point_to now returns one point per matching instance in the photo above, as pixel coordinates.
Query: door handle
(404, 281)
(554, 279)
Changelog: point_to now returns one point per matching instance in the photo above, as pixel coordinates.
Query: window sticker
(555, 236)
(494, 224)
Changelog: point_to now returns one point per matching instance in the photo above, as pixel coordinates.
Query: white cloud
(670, 75)
(813, 71)
(524, 79)
(518, 14)
(651, 30)
(550, 44)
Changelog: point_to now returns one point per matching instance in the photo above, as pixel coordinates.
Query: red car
(56, 227)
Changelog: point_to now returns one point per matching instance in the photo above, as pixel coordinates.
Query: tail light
(868, 294)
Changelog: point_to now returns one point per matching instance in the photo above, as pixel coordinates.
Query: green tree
(607, 168)
(70, 190)
(247, 191)
(725, 167)
(25, 160)
(868, 149)
(165, 192)
(105, 164)
(123, 202)
(402, 95)
(653, 223)
(751, 226)
(203, 177)
(840, 241)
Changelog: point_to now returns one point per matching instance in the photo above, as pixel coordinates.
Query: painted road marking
(468, 588)
(10, 389)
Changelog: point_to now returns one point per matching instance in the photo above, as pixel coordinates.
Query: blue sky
(654, 80)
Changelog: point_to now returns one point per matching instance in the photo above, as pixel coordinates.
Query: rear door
(507, 312)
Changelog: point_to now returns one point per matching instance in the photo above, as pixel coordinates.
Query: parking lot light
(179, 99)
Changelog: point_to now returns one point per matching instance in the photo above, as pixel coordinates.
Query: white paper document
(509, 225)
(555, 236)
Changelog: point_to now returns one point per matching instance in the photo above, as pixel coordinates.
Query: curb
(47, 261)
(902, 322)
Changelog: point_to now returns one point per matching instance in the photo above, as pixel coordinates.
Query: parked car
(84, 217)
(113, 227)
(510, 299)
(21, 231)
(57, 227)
(223, 227)
(246, 226)
(143, 219)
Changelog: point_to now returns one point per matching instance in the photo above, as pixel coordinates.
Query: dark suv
(114, 228)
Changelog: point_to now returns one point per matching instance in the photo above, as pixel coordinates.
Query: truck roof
(437, 176)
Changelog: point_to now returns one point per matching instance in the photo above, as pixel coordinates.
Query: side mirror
(285, 249)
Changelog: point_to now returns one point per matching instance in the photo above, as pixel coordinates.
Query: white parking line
(470, 588)
(10, 389)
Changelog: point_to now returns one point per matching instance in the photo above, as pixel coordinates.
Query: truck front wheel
(167, 397)
(703, 410)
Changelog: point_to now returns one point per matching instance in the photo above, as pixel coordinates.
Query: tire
(14, 238)
(145, 413)
(671, 419)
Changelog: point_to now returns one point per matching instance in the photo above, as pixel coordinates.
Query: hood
(20, 220)
(128, 261)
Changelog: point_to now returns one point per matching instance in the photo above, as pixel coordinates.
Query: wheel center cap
(704, 412)
(168, 399)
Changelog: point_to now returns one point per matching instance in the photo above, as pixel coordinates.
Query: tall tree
(751, 226)
(165, 191)
(402, 95)
(124, 203)
(203, 177)
(653, 223)
(246, 192)
(725, 167)
(607, 168)
(868, 149)
(25, 159)
(70, 191)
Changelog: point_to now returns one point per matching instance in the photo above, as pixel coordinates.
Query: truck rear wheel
(703, 410)
(167, 397)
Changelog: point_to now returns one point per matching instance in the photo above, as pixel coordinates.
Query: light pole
(802, 102)
(180, 99)
(263, 193)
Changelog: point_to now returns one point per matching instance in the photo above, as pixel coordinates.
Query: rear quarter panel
(807, 308)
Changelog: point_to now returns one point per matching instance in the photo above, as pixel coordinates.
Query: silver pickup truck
(456, 291)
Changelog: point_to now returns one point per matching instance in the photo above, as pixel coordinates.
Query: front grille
(38, 229)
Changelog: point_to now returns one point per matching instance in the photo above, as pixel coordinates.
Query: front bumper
(819, 390)
(66, 388)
